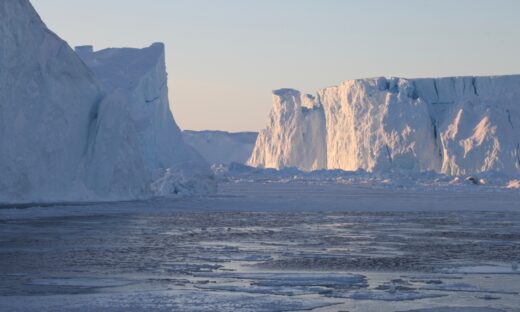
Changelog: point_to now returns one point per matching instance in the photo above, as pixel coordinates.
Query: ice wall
(295, 134)
(477, 121)
(72, 132)
(377, 125)
(136, 138)
(48, 98)
(457, 126)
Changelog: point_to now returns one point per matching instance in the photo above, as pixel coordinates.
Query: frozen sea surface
(267, 247)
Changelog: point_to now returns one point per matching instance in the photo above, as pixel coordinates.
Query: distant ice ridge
(73, 133)
(454, 126)
(220, 147)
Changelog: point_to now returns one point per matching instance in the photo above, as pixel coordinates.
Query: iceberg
(137, 146)
(94, 128)
(295, 134)
(454, 126)
(48, 100)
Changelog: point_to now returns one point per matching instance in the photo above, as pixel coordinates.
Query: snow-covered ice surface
(220, 147)
(280, 245)
(391, 180)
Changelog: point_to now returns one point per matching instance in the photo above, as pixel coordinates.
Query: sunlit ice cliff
(455, 126)
(97, 128)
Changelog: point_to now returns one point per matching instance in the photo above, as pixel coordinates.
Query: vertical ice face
(295, 134)
(48, 99)
(478, 122)
(457, 126)
(377, 125)
(73, 133)
(137, 140)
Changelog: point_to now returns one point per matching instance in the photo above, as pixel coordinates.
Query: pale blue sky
(226, 56)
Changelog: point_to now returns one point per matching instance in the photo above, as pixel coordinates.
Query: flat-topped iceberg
(456, 126)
